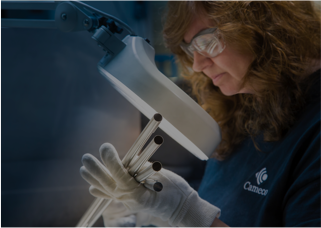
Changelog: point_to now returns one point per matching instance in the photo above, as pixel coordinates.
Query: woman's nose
(200, 62)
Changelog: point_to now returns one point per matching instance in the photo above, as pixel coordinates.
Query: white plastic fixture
(134, 74)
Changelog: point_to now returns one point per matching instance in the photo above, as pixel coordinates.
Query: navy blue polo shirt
(277, 187)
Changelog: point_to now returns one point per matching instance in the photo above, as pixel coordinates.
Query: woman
(255, 67)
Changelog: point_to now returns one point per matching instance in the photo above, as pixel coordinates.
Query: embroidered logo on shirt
(252, 188)
(261, 176)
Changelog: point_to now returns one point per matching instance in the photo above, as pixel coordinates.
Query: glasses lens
(201, 42)
(209, 45)
(188, 49)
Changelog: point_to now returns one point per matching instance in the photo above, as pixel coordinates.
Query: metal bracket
(108, 41)
(69, 17)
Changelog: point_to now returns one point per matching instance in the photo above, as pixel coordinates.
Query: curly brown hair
(284, 38)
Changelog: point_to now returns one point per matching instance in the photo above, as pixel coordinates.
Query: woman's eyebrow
(192, 37)
(195, 35)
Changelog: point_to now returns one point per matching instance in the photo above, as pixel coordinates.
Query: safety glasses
(208, 43)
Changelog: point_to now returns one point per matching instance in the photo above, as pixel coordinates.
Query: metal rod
(142, 138)
(77, 2)
(153, 185)
(102, 207)
(150, 170)
(30, 5)
(90, 212)
(28, 23)
(145, 155)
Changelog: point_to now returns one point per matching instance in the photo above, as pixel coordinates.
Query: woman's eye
(212, 46)
(201, 42)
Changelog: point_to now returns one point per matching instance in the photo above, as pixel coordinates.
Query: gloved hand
(117, 215)
(177, 203)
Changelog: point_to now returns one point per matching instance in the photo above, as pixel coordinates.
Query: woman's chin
(233, 91)
(228, 92)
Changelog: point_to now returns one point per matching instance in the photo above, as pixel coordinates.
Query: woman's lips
(216, 78)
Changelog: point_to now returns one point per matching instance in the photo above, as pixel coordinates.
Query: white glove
(117, 215)
(177, 203)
